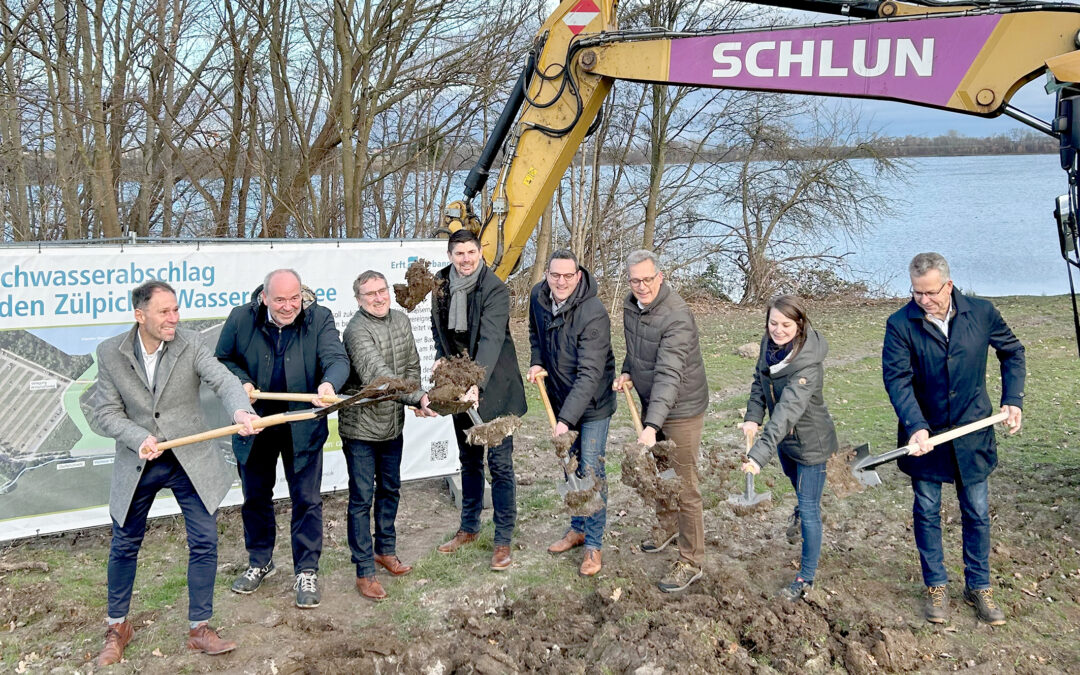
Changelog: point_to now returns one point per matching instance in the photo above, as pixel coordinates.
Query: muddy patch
(492, 433)
(450, 381)
(419, 281)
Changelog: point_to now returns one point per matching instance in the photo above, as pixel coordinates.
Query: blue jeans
(161, 473)
(808, 481)
(500, 461)
(257, 477)
(374, 471)
(589, 449)
(975, 521)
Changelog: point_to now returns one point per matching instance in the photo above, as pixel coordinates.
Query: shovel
(749, 499)
(659, 448)
(863, 464)
(285, 396)
(363, 398)
(574, 483)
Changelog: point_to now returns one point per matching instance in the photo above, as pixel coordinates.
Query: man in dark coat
(663, 361)
(934, 367)
(470, 314)
(570, 334)
(148, 392)
(276, 344)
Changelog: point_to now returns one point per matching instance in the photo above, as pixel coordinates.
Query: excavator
(967, 57)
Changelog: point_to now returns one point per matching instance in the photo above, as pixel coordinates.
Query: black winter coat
(313, 356)
(939, 384)
(489, 342)
(574, 347)
(799, 423)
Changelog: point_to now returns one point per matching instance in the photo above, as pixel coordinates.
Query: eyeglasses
(645, 281)
(922, 294)
(554, 276)
(371, 295)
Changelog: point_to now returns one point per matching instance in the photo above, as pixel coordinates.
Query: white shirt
(943, 324)
(150, 361)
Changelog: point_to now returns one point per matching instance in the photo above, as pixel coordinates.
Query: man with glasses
(276, 343)
(379, 341)
(663, 362)
(570, 335)
(934, 368)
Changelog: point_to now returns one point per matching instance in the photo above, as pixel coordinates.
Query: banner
(57, 303)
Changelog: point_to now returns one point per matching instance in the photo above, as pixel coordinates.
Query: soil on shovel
(563, 442)
(394, 387)
(838, 474)
(640, 471)
(455, 376)
(419, 281)
(492, 433)
(586, 502)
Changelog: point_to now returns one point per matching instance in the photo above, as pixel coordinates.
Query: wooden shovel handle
(539, 379)
(299, 398)
(633, 408)
(964, 430)
(261, 423)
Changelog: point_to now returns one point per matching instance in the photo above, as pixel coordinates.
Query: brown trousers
(689, 518)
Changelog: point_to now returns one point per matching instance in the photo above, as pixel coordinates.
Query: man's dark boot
(985, 607)
(116, 638)
(936, 605)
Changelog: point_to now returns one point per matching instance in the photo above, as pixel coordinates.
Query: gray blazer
(126, 409)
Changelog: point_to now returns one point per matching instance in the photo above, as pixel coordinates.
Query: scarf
(460, 287)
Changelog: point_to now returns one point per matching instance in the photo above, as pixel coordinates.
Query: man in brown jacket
(663, 361)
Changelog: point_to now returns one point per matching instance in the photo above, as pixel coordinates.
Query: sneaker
(794, 528)
(681, 575)
(249, 581)
(985, 607)
(658, 542)
(307, 589)
(796, 590)
(936, 605)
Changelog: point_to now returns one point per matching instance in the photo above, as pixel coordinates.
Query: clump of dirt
(419, 281)
(838, 474)
(563, 442)
(389, 387)
(492, 433)
(640, 471)
(451, 380)
(588, 501)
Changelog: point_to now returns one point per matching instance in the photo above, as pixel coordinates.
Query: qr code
(438, 451)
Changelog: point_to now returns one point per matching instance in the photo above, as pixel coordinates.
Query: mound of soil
(419, 281)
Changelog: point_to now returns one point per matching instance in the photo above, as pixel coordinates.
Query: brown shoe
(393, 565)
(591, 564)
(460, 539)
(370, 588)
(570, 540)
(116, 638)
(204, 639)
(500, 560)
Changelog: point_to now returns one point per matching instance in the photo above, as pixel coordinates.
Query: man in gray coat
(663, 361)
(380, 343)
(147, 392)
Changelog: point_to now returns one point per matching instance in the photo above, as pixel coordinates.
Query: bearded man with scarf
(470, 314)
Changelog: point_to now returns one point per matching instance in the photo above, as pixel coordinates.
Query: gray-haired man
(663, 361)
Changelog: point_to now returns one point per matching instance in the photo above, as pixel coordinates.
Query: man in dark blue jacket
(570, 334)
(934, 367)
(277, 344)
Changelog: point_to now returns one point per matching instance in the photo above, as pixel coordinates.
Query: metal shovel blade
(575, 483)
(749, 498)
(863, 473)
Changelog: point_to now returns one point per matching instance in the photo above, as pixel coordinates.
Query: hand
(647, 437)
(919, 439)
(249, 389)
(560, 429)
(533, 372)
(435, 366)
(1014, 422)
(248, 420)
(750, 466)
(325, 389)
(473, 394)
(621, 380)
(749, 430)
(148, 450)
(424, 410)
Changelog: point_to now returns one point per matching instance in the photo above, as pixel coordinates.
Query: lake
(991, 217)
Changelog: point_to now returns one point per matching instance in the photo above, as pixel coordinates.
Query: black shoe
(936, 605)
(794, 528)
(796, 590)
(249, 581)
(307, 589)
(985, 607)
